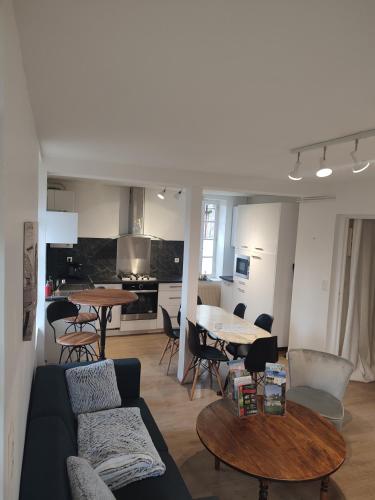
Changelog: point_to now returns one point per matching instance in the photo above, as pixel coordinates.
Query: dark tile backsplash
(163, 254)
(91, 256)
(96, 257)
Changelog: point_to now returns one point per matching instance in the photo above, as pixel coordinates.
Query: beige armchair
(318, 380)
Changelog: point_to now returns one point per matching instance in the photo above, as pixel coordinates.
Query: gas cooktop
(135, 277)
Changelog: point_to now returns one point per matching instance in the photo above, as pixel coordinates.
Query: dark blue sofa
(52, 436)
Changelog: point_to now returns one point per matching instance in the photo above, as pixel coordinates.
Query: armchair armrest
(128, 374)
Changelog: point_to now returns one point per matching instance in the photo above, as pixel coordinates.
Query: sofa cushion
(48, 444)
(93, 387)
(49, 396)
(169, 486)
(85, 483)
(149, 422)
(315, 399)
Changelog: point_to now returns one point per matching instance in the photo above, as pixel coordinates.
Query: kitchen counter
(227, 278)
(105, 280)
(169, 279)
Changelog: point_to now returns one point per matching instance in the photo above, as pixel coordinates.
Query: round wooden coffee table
(300, 446)
(103, 299)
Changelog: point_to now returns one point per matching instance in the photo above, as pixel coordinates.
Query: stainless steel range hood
(137, 211)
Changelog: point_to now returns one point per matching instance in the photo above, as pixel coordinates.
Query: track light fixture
(161, 194)
(178, 194)
(324, 171)
(295, 173)
(359, 166)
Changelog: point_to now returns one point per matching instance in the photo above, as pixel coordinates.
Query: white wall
(314, 258)
(19, 199)
(164, 218)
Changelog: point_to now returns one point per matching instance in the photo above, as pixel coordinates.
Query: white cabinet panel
(61, 227)
(169, 297)
(261, 285)
(264, 223)
(227, 296)
(243, 228)
(60, 200)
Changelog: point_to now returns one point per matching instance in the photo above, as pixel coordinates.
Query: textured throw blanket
(118, 446)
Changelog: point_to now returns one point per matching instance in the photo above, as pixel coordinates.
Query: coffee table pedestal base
(324, 489)
(263, 490)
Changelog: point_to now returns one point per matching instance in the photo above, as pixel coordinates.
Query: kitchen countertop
(227, 278)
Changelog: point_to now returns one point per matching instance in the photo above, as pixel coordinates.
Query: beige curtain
(358, 342)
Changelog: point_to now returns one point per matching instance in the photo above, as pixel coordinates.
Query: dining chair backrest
(167, 323)
(239, 310)
(319, 370)
(194, 339)
(60, 309)
(264, 321)
(199, 303)
(262, 351)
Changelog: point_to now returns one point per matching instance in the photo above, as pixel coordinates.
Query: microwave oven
(242, 266)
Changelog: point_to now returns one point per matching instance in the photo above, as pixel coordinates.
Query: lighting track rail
(324, 171)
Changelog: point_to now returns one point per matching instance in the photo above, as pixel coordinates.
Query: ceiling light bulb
(295, 174)
(324, 171)
(359, 166)
(161, 194)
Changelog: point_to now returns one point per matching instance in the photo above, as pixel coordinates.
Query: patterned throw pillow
(85, 484)
(93, 387)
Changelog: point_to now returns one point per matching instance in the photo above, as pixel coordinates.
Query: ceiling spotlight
(359, 166)
(295, 173)
(161, 194)
(324, 171)
(178, 194)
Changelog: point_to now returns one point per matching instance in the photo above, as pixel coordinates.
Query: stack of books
(274, 389)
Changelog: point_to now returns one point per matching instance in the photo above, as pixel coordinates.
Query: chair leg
(173, 352)
(165, 350)
(218, 376)
(62, 349)
(210, 372)
(191, 364)
(196, 376)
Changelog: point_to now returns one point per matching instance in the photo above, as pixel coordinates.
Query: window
(209, 237)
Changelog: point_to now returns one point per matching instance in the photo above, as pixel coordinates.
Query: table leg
(217, 464)
(103, 331)
(324, 488)
(263, 490)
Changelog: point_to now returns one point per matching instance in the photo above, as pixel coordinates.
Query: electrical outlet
(176, 260)
(69, 259)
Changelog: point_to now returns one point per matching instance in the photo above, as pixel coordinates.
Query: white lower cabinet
(227, 289)
(169, 297)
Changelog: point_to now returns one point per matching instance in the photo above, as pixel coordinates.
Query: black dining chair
(173, 335)
(239, 311)
(80, 343)
(261, 351)
(199, 303)
(207, 357)
(264, 321)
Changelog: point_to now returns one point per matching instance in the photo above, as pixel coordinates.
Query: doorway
(356, 326)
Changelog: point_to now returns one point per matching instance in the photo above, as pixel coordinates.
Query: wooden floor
(176, 415)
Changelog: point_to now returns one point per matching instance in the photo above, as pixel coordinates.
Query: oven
(146, 307)
(242, 266)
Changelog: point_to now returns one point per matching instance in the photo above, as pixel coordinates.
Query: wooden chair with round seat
(205, 356)
(79, 342)
(173, 335)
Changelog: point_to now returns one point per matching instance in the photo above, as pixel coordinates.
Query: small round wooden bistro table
(103, 299)
(300, 446)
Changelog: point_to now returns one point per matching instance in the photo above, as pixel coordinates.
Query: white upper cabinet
(61, 227)
(257, 227)
(60, 200)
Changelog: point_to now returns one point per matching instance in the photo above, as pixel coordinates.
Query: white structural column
(193, 220)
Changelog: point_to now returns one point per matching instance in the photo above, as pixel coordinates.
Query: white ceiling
(209, 85)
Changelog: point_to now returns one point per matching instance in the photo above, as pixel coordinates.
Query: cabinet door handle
(259, 248)
(242, 283)
(256, 257)
(173, 298)
(240, 290)
(244, 246)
